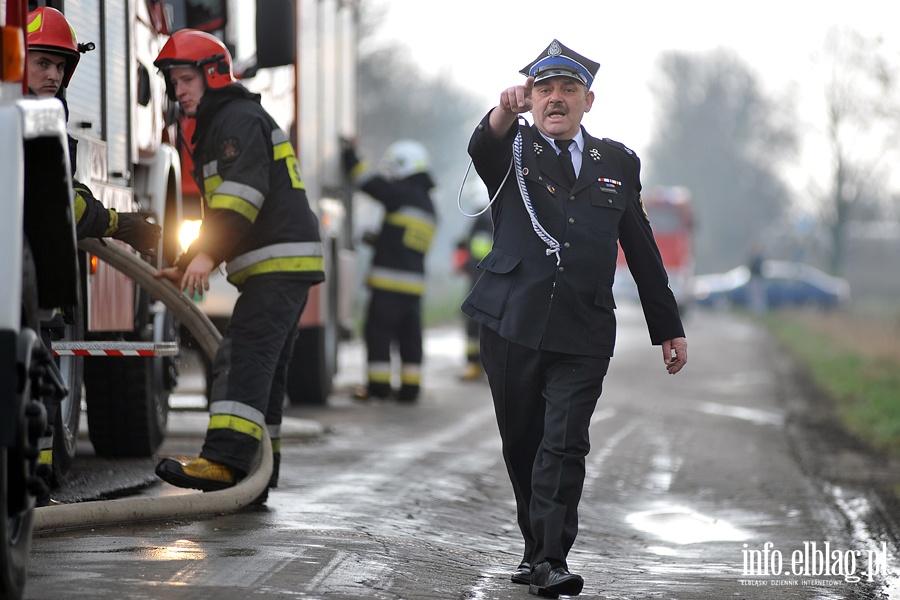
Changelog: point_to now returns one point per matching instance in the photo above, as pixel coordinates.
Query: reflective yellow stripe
(358, 170)
(236, 424)
(80, 206)
(417, 233)
(291, 264)
(238, 205)
(396, 285)
(113, 223)
(379, 377)
(283, 150)
(410, 378)
(45, 457)
(211, 184)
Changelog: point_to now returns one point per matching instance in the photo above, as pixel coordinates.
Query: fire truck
(39, 273)
(672, 218)
(301, 57)
(116, 108)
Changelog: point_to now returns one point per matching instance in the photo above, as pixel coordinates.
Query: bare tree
(722, 137)
(860, 129)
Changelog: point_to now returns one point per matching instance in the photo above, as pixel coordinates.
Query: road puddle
(680, 525)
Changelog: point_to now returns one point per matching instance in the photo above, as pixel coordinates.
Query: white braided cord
(552, 244)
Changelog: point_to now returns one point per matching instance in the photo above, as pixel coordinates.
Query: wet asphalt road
(717, 483)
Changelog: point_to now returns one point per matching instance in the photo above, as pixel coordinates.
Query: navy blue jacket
(522, 293)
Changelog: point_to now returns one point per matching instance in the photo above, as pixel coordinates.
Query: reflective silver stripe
(210, 169)
(379, 367)
(274, 251)
(274, 431)
(242, 191)
(411, 369)
(397, 275)
(279, 137)
(238, 409)
(416, 213)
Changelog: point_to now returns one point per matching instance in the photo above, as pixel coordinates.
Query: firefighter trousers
(250, 369)
(394, 319)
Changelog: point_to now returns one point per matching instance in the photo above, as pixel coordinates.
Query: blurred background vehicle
(671, 214)
(786, 284)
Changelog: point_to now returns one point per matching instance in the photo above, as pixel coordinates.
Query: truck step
(115, 348)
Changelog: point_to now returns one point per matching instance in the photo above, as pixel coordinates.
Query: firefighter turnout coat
(257, 219)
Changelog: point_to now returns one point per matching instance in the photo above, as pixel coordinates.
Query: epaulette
(621, 147)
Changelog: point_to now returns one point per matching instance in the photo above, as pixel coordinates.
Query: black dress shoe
(522, 573)
(551, 582)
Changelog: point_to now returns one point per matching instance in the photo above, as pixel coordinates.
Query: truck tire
(65, 427)
(310, 371)
(128, 398)
(16, 468)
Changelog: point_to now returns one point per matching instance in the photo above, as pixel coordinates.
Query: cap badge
(554, 49)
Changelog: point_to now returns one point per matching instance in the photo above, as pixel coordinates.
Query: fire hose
(120, 510)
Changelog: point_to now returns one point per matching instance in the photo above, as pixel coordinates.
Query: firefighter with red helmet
(257, 220)
(53, 54)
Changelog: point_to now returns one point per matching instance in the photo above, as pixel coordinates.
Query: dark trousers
(250, 366)
(543, 402)
(473, 341)
(394, 319)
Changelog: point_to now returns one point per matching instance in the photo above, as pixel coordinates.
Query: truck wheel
(16, 524)
(128, 398)
(65, 427)
(16, 469)
(312, 366)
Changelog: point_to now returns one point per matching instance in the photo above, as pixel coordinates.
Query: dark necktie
(565, 159)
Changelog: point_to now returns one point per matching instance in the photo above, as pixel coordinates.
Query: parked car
(786, 284)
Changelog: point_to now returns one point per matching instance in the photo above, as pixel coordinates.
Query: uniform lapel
(591, 164)
(547, 159)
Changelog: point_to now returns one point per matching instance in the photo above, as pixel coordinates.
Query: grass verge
(855, 359)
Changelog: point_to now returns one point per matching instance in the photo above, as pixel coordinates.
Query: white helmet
(405, 158)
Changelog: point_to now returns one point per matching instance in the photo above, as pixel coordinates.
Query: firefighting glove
(349, 159)
(135, 230)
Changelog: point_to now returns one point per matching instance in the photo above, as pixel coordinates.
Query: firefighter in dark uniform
(257, 220)
(544, 298)
(397, 276)
(53, 54)
(469, 253)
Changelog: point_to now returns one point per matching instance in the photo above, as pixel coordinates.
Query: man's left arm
(646, 266)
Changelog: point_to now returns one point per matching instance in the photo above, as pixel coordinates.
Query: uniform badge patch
(643, 209)
(229, 149)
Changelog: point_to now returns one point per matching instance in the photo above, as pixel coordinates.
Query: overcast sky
(482, 44)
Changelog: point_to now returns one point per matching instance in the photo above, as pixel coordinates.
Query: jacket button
(567, 245)
(571, 198)
(562, 269)
(609, 200)
(571, 220)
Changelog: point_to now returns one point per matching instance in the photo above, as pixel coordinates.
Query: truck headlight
(189, 232)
